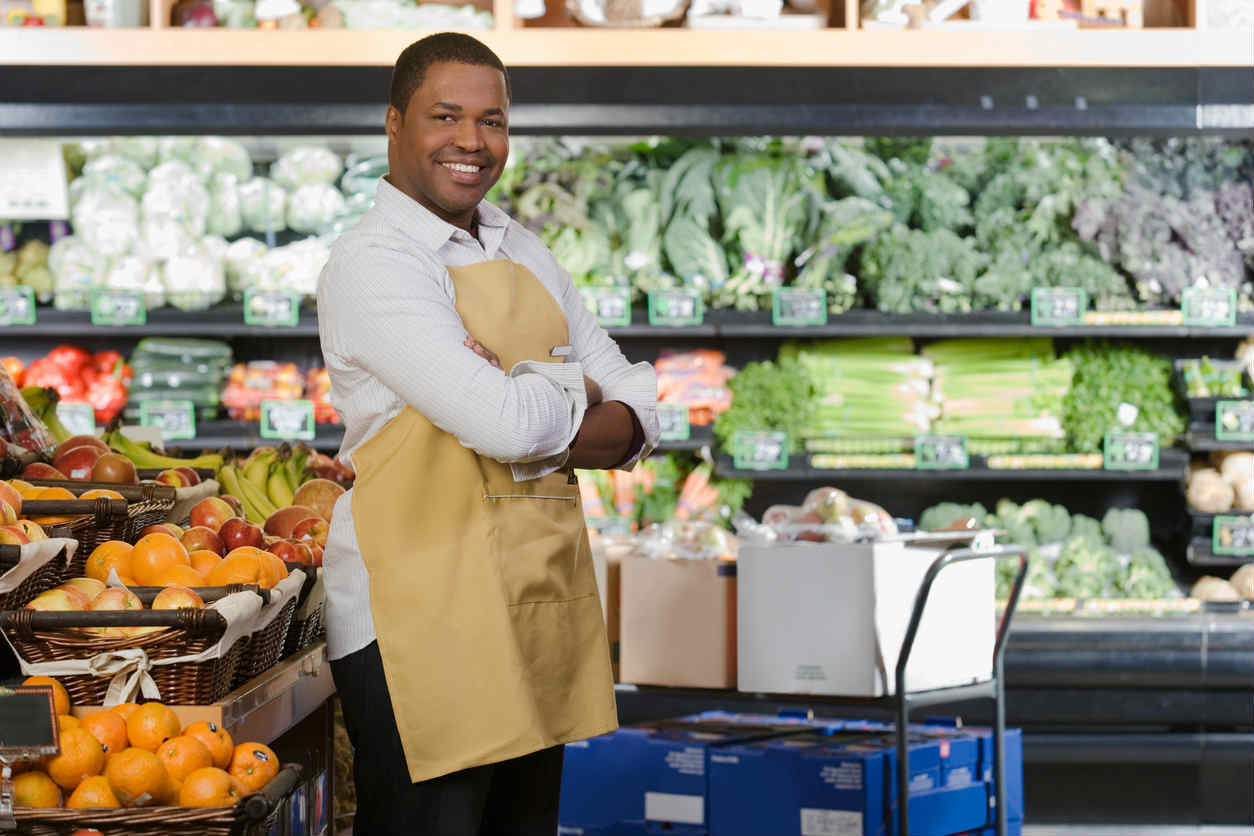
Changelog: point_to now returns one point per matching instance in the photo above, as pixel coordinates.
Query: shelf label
(793, 306)
(941, 452)
(1130, 451)
(118, 307)
(676, 308)
(17, 305)
(760, 450)
(28, 722)
(620, 526)
(1209, 307)
(1058, 306)
(78, 417)
(1234, 421)
(32, 180)
(287, 420)
(1233, 535)
(271, 309)
(175, 419)
(612, 305)
(673, 419)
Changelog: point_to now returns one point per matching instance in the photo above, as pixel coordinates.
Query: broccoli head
(947, 513)
(1147, 577)
(1086, 570)
(1087, 528)
(1127, 529)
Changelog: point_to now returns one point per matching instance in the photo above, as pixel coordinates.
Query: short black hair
(412, 64)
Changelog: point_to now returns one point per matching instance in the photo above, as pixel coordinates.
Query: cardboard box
(603, 784)
(606, 554)
(825, 618)
(677, 622)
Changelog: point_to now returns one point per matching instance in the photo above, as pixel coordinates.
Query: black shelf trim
(699, 437)
(244, 435)
(1201, 439)
(222, 321)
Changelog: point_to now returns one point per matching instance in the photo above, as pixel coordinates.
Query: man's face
(450, 146)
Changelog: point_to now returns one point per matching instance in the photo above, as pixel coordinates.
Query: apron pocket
(537, 537)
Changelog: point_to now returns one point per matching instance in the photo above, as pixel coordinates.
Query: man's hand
(478, 348)
(593, 390)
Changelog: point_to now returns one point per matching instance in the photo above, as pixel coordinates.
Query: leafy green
(908, 270)
(947, 513)
(767, 396)
(844, 225)
(1108, 375)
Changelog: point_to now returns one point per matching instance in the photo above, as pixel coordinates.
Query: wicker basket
(96, 521)
(265, 646)
(254, 815)
(43, 578)
(312, 626)
(147, 503)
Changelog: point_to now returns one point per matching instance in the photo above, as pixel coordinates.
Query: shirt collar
(432, 231)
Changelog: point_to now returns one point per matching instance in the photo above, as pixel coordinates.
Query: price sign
(1130, 451)
(1234, 421)
(28, 722)
(78, 417)
(271, 308)
(287, 420)
(941, 452)
(676, 308)
(17, 305)
(175, 419)
(1058, 305)
(798, 306)
(612, 305)
(1209, 307)
(1233, 535)
(760, 450)
(118, 307)
(610, 525)
(673, 419)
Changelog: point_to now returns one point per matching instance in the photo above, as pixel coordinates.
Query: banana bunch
(266, 481)
(43, 402)
(144, 456)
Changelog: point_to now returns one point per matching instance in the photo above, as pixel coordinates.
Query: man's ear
(394, 121)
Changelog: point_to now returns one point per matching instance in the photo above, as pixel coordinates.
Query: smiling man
(464, 624)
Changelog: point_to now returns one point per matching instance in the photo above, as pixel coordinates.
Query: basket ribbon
(130, 669)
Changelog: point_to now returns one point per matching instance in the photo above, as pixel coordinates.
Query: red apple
(201, 537)
(285, 551)
(283, 521)
(177, 598)
(116, 598)
(173, 478)
(42, 471)
(237, 532)
(31, 529)
(319, 495)
(317, 554)
(305, 553)
(89, 587)
(163, 528)
(78, 441)
(12, 535)
(234, 502)
(10, 494)
(211, 512)
(269, 540)
(312, 531)
(190, 476)
(57, 600)
(115, 468)
(77, 462)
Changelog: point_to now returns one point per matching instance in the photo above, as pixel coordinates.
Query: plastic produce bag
(107, 221)
(355, 208)
(687, 539)
(224, 156)
(263, 204)
(225, 216)
(306, 165)
(21, 427)
(313, 208)
(132, 272)
(181, 197)
(215, 247)
(194, 281)
(124, 172)
(294, 268)
(239, 255)
(76, 269)
(142, 149)
(363, 176)
(163, 238)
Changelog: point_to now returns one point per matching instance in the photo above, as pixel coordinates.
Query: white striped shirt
(392, 337)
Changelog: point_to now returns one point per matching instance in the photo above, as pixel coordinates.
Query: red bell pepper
(44, 372)
(70, 358)
(107, 393)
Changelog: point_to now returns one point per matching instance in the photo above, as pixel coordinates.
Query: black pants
(513, 798)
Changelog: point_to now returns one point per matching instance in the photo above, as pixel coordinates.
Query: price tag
(32, 180)
(78, 417)
(798, 306)
(1233, 535)
(17, 305)
(28, 722)
(673, 419)
(760, 450)
(610, 525)
(676, 308)
(287, 420)
(271, 308)
(118, 307)
(941, 452)
(1209, 307)
(1058, 305)
(612, 305)
(1130, 451)
(1234, 420)
(175, 419)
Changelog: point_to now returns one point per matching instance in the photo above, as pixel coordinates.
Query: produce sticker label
(1058, 306)
(676, 308)
(118, 307)
(941, 452)
(1234, 421)
(28, 722)
(1209, 307)
(793, 306)
(1233, 535)
(760, 450)
(176, 419)
(78, 417)
(612, 305)
(1130, 451)
(287, 420)
(271, 309)
(673, 419)
(17, 305)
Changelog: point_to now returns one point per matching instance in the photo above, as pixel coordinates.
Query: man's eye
(494, 123)
(447, 117)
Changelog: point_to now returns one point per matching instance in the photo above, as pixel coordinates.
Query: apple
(237, 532)
(58, 600)
(42, 472)
(79, 441)
(234, 502)
(317, 554)
(211, 512)
(282, 521)
(268, 540)
(10, 494)
(200, 537)
(89, 587)
(177, 598)
(173, 478)
(189, 474)
(320, 495)
(12, 535)
(312, 531)
(33, 530)
(78, 462)
(287, 551)
(116, 468)
(116, 598)
(8, 515)
(304, 553)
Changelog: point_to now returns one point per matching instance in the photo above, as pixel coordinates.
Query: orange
(93, 794)
(210, 787)
(153, 555)
(137, 777)
(243, 565)
(81, 757)
(217, 740)
(20, 484)
(110, 729)
(151, 725)
(204, 560)
(56, 493)
(102, 493)
(273, 570)
(180, 576)
(36, 789)
(125, 709)
(43, 494)
(254, 765)
(68, 721)
(182, 756)
(29, 491)
(113, 554)
(60, 697)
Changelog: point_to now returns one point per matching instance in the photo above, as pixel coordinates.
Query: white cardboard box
(825, 618)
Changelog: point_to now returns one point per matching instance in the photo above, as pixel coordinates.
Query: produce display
(1239, 587)
(696, 379)
(1222, 482)
(1207, 378)
(178, 369)
(826, 515)
(100, 379)
(249, 384)
(660, 489)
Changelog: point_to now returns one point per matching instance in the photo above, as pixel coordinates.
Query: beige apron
(482, 589)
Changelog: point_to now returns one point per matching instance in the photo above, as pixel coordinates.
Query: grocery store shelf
(275, 701)
(1200, 554)
(221, 321)
(1201, 438)
(243, 435)
(699, 438)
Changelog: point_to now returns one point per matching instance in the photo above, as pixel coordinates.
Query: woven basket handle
(144, 492)
(259, 805)
(104, 509)
(193, 621)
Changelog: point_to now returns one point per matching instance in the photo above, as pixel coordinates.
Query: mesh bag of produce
(21, 426)
(313, 208)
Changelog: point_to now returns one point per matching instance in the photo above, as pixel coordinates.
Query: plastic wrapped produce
(124, 172)
(239, 255)
(363, 175)
(306, 165)
(355, 208)
(313, 208)
(181, 197)
(142, 149)
(180, 149)
(293, 268)
(215, 247)
(76, 269)
(21, 426)
(172, 169)
(91, 183)
(194, 281)
(164, 237)
(263, 204)
(107, 221)
(249, 385)
(224, 156)
(131, 272)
